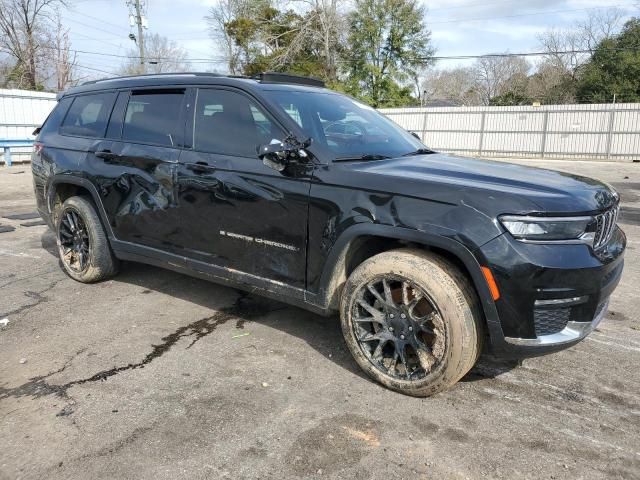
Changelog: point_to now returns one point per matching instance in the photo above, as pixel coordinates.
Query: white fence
(598, 131)
(21, 112)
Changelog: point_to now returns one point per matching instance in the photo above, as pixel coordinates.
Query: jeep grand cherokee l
(280, 186)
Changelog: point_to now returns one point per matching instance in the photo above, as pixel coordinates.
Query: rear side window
(88, 115)
(153, 117)
(53, 121)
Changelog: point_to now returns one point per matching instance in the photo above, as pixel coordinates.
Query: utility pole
(137, 18)
(140, 33)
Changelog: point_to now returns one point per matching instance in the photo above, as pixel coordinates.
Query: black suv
(277, 185)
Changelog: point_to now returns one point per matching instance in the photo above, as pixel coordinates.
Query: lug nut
(402, 315)
(401, 337)
(391, 329)
(411, 329)
(391, 315)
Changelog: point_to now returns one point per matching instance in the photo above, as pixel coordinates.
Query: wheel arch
(362, 241)
(62, 187)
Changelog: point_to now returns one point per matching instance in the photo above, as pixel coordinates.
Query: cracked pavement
(157, 375)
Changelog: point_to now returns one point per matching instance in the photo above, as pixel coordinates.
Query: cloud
(462, 9)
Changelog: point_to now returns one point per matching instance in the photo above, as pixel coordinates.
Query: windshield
(345, 126)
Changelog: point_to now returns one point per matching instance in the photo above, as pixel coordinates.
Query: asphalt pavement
(156, 375)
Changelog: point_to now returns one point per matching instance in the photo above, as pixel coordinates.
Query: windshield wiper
(361, 158)
(420, 151)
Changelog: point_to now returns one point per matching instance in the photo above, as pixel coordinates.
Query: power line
(102, 21)
(468, 5)
(517, 15)
(435, 57)
(96, 39)
(525, 54)
(94, 69)
(92, 27)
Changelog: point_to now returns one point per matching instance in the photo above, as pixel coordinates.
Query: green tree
(388, 44)
(258, 36)
(510, 99)
(614, 68)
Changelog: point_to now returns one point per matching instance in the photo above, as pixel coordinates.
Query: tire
(83, 246)
(427, 332)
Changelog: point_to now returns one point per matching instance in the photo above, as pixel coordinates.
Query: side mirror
(274, 155)
(278, 155)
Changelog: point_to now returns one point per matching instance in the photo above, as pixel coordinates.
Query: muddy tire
(412, 321)
(83, 246)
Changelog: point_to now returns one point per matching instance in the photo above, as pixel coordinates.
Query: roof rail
(152, 75)
(277, 77)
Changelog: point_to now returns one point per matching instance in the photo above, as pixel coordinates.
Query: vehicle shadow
(489, 366)
(320, 333)
(323, 334)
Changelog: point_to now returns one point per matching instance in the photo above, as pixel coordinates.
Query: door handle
(105, 154)
(199, 167)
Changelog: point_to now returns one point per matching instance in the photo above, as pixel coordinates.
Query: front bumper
(572, 333)
(552, 296)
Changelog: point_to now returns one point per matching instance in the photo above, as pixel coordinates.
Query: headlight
(545, 229)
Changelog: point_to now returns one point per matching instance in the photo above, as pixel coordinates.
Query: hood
(543, 190)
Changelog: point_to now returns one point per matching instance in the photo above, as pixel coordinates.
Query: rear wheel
(411, 320)
(82, 243)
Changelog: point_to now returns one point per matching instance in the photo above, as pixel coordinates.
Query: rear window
(88, 115)
(53, 121)
(153, 117)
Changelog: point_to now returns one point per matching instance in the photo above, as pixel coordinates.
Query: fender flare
(89, 186)
(331, 273)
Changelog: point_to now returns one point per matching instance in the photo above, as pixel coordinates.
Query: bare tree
(323, 32)
(23, 24)
(569, 49)
(600, 25)
(551, 84)
(161, 55)
(65, 61)
(496, 76)
(457, 85)
(219, 19)
(277, 34)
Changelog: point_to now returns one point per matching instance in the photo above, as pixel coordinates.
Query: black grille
(550, 320)
(605, 225)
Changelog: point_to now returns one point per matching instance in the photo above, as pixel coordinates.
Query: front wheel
(411, 320)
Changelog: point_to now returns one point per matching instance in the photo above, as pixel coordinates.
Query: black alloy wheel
(398, 327)
(74, 240)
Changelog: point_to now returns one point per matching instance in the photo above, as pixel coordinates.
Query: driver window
(229, 123)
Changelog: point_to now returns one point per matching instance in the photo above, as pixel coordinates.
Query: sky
(459, 27)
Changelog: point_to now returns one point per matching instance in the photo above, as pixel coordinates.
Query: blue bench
(7, 144)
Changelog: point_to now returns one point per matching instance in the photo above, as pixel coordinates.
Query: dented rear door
(135, 167)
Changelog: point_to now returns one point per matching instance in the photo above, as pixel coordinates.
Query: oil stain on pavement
(244, 309)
